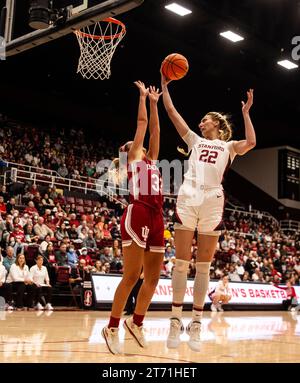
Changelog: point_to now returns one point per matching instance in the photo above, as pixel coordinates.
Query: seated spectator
(30, 236)
(90, 242)
(52, 193)
(44, 244)
(47, 202)
(106, 232)
(2, 205)
(97, 268)
(61, 256)
(73, 232)
(79, 274)
(169, 264)
(21, 281)
(10, 258)
(5, 288)
(114, 228)
(41, 229)
(50, 262)
(50, 222)
(33, 190)
(240, 269)
(73, 208)
(11, 206)
(83, 225)
(106, 256)
(72, 256)
(24, 220)
(116, 265)
(43, 290)
(6, 228)
(221, 295)
(30, 209)
(233, 274)
(84, 255)
(74, 220)
(100, 223)
(83, 234)
(4, 193)
(246, 277)
(49, 254)
(106, 267)
(169, 252)
(17, 234)
(62, 232)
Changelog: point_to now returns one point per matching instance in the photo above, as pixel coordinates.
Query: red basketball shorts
(143, 225)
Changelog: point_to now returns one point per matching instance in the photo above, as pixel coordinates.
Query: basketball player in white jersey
(200, 205)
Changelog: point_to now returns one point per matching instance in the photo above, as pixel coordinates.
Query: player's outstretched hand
(246, 106)
(154, 94)
(143, 90)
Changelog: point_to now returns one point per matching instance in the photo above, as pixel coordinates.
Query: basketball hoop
(97, 45)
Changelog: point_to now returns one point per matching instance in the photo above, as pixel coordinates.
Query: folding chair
(63, 279)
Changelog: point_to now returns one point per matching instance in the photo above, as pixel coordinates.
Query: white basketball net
(97, 46)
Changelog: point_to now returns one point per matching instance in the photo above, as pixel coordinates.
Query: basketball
(175, 66)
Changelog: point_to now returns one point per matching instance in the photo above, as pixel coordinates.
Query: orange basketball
(175, 66)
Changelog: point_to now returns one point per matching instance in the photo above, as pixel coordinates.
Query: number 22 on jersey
(209, 156)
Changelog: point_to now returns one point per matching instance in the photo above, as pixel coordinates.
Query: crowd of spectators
(251, 249)
(67, 152)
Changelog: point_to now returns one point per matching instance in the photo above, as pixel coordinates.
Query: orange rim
(108, 37)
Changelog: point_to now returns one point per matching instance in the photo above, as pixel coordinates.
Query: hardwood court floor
(74, 336)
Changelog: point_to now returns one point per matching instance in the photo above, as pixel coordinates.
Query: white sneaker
(49, 307)
(9, 307)
(137, 332)
(39, 306)
(213, 308)
(219, 308)
(193, 329)
(111, 337)
(176, 329)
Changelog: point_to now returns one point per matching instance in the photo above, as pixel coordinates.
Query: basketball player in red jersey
(142, 225)
(200, 205)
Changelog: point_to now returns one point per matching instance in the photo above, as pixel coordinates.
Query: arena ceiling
(42, 83)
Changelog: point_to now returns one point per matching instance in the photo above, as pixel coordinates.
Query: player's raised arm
(179, 123)
(142, 123)
(243, 146)
(154, 127)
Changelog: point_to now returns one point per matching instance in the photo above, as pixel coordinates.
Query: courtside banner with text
(242, 293)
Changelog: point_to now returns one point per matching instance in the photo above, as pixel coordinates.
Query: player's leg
(133, 256)
(183, 241)
(206, 249)
(209, 226)
(151, 267)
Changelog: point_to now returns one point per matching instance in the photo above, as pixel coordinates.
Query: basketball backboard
(54, 18)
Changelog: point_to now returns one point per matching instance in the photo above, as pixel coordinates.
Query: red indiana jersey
(145, 184)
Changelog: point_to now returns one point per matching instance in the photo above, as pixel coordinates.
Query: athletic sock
(176, 311)
(197, 314)
(138, 319)
(113, 322)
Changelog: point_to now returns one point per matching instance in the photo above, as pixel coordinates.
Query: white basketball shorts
(207, 218)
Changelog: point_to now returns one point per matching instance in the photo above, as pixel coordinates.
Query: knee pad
(182, 266)
(203, 267)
